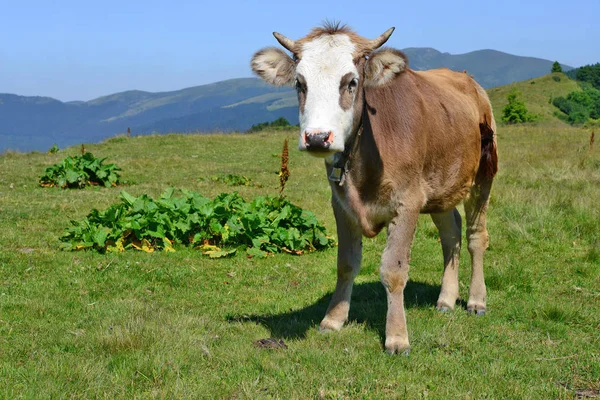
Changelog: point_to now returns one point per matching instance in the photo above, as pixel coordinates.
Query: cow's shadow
(368, 306)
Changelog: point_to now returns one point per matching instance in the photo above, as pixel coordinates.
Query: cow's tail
(488, 163)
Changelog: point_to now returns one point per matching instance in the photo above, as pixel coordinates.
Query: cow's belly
(377, 217)
(447, 197)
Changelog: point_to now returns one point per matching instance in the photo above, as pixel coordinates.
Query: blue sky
(79, 50)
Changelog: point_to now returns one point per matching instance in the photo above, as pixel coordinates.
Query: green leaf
(254, 252)
(72, 176)
(167, 194)
(127, 198)
(100, 237)
(221, 253)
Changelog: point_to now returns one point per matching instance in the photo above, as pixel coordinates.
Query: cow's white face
(327, 82)
(328, 77)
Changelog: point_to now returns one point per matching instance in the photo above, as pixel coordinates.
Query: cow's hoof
(445, 306)
(403, 353)
(397, 345)
(328, 325)
(476, 309)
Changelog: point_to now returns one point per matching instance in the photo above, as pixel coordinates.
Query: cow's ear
(383, 65)
(274, 66)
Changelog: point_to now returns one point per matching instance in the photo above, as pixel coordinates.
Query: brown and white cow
(396, 143)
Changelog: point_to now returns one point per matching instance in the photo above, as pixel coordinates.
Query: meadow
(180, 325)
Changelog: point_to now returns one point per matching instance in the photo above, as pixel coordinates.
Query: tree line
(279, 123)
(579, 106)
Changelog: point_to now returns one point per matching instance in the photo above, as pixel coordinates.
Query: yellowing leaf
(214, 251)
(168, 246)
(144, 245)
(117, 248)
(294, 252)
(220, 254)
(207, 247)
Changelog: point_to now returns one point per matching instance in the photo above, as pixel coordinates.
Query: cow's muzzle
(318, 141)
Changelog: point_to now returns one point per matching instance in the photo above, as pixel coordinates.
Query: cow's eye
(299, 86)
(353, 84)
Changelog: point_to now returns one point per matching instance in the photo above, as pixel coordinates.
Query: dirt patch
(270, 343)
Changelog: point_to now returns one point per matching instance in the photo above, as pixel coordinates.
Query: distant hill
(36, 123)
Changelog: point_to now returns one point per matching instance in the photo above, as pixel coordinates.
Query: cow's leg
(394, 275)
(477, 237)
(348, 265)
(449, 225)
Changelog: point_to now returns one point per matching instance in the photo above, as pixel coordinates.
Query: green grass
(178, 325)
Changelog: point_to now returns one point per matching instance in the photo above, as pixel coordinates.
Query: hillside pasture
(537, 94)
(180, 325)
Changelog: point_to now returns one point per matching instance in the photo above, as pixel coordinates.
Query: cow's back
(462, 88)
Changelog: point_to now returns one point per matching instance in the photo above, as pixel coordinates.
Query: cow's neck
(355, 175)
(360, 157)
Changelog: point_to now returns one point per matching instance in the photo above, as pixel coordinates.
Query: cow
(397, 143)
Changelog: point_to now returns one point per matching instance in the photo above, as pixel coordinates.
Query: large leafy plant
(216, 226)
(80, 171)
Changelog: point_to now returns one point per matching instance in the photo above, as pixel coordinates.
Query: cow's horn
(285, 42)
(378, 42)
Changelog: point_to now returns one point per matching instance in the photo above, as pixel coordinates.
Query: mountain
(490, 68)
(36, 123)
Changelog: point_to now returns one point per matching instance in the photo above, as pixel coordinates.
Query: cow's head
(329, 68)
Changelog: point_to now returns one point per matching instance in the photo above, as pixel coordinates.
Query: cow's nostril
(318, 140)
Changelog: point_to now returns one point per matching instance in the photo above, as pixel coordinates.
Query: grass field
(178, 325)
